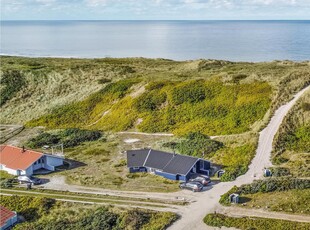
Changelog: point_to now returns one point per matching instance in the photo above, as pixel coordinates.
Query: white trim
(147, 158)
(192, 166)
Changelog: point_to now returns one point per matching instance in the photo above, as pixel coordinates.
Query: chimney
(23, 150)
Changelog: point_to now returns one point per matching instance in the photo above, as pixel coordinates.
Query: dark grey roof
(180, 164)
(158, 159)
(136, 158)
(167, 162)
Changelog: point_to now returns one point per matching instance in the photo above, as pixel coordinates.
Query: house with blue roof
(169, 165)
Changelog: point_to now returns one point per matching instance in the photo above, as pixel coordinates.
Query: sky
(155, 9)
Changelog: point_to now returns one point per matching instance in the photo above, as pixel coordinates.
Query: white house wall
(10, 171)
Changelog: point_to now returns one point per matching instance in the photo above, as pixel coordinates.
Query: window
(204, 165)
(42, 160)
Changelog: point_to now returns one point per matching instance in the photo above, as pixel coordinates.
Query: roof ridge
(147, 157)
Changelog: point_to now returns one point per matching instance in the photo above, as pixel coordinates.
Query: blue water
(179, 40)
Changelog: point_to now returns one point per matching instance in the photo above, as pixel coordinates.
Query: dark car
(204, 180)
(194, 186)
(29, 179)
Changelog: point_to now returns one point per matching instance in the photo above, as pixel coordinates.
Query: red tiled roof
(5, 215)
(14, 158)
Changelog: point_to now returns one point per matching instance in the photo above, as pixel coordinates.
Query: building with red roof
(7, 218)
(21, 161)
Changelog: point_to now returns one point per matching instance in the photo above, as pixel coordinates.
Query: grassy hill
(292, 142)
(151, 95)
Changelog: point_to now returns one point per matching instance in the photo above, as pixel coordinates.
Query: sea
(251, 41)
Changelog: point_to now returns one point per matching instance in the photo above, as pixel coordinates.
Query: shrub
(195, 144)
(43, 139)
(74, 136)
(280, 171)
(191, 92)
(69, 137)
(104, 80)
(13, 81)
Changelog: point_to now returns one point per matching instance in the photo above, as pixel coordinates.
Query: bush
(13, 81)
(69, 137)
(196, 144)
(43, 139)
(280, 171)
(104, 80)
(73, 137)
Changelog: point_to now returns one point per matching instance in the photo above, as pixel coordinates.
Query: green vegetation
(292, 142)
(236, 160)
(79, 114)
(12, 81)
(291, 201)
(4, 175)
(209, 107)
(58, 194)
(195, 144)
(44, 213)
(219, 220)
(68, 137)
(31, 208)
(266, 186)
(105, 167)
(54, 82)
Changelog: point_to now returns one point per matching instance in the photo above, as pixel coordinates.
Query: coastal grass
(210, 107)
(80, 195)
(51, 83)
(104, 165)
(244, 223)
(47, 213)
(292, 201)
(292, 142)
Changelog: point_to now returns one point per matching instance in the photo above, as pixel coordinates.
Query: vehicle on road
(194, 186)
(30, 179)
(204, 180)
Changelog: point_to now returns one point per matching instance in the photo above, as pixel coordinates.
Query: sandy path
(147, 134)
(207, 202)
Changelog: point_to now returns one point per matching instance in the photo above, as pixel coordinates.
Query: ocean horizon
(232, 40)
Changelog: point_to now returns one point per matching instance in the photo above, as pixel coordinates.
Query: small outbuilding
(7, 218)
(169, 165)
(20, 161)
(234, 198)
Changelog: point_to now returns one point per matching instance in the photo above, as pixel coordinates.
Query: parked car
(204, 180)
(30, 179)
(194, 186)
